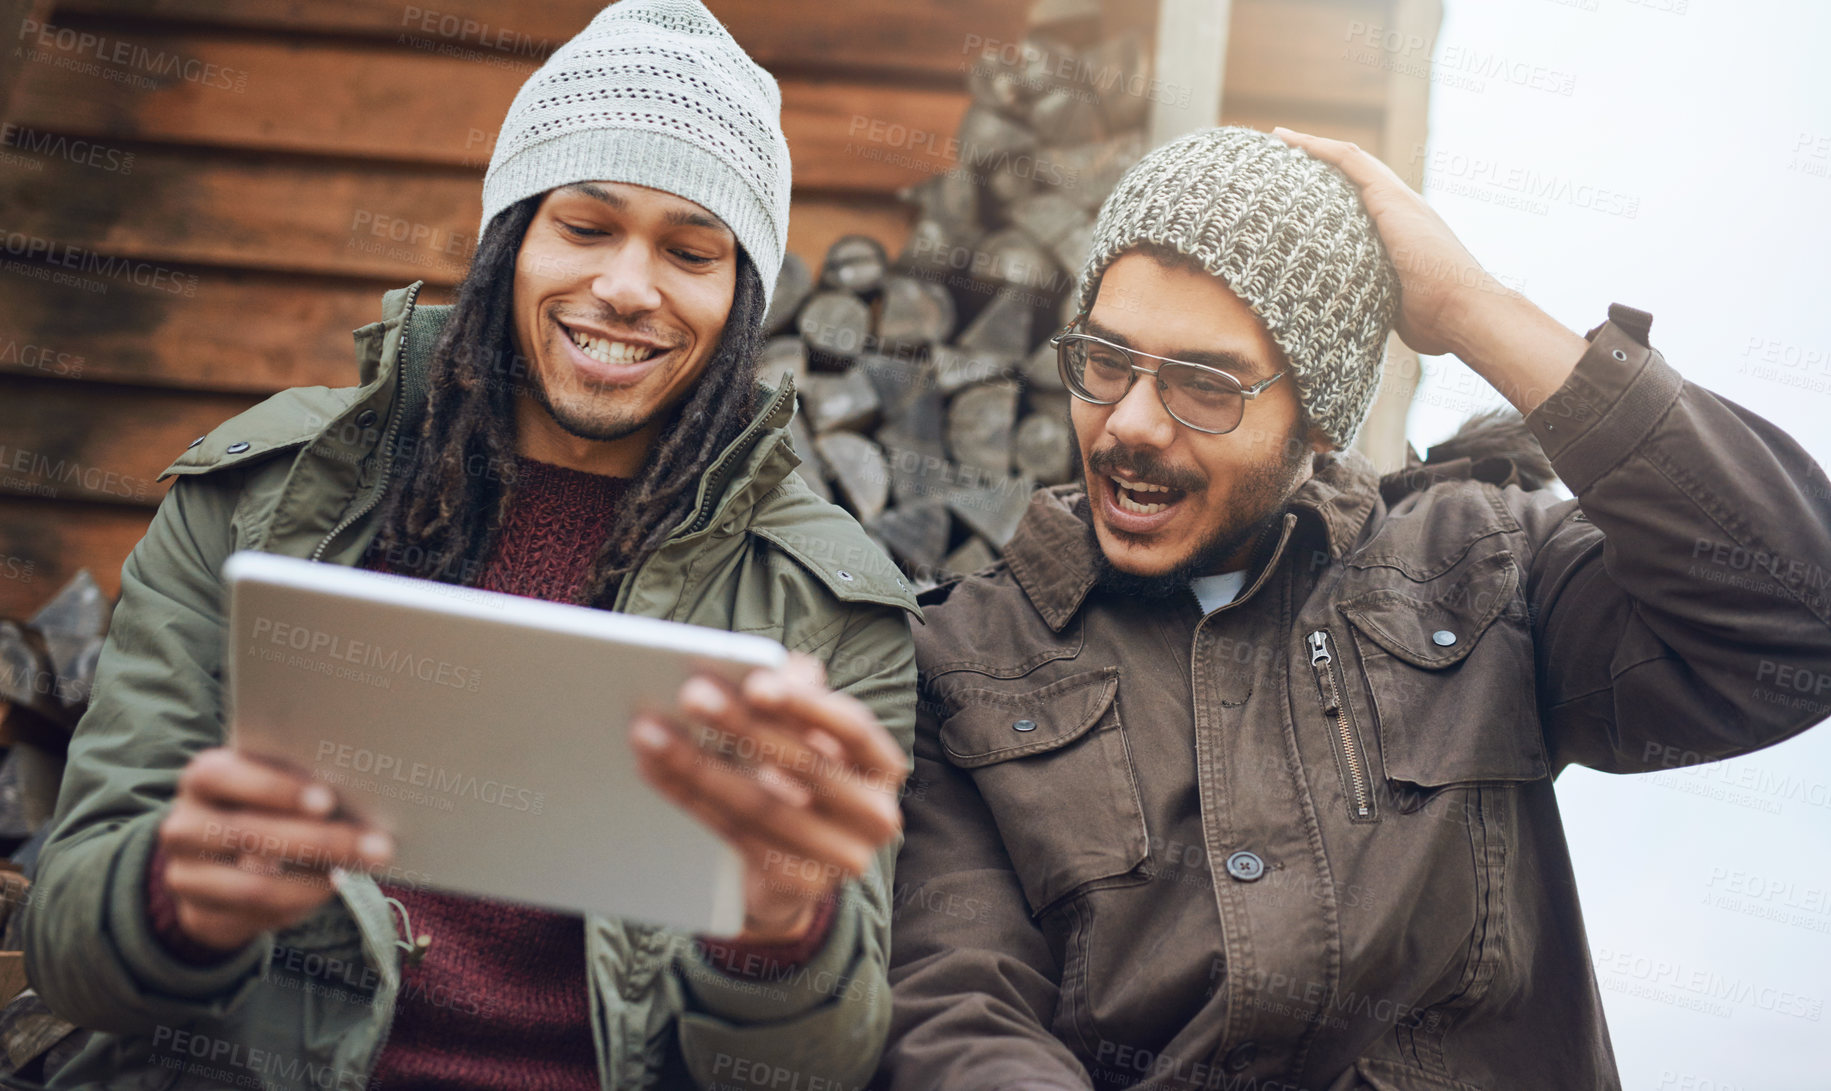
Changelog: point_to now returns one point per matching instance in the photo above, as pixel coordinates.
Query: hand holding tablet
(487, 734)
(801, 780)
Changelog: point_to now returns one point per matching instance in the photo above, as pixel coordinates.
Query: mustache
(1144, 466)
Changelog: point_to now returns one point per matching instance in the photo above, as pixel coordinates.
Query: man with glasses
(1236, 771)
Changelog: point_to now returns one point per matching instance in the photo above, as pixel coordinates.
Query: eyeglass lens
(1197, 396)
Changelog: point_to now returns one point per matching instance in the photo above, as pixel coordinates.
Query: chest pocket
(1052, 765)
(1449, 669)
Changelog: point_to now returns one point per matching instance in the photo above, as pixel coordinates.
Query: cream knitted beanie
(654, 93)
(1288, 235)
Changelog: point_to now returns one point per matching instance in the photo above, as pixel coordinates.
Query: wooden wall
(191, 192)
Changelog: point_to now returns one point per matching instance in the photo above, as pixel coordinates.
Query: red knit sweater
(501, 998)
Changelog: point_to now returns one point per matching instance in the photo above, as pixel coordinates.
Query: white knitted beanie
(654, 93)
(1288, 235)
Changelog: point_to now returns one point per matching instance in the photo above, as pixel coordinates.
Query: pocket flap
(1436, 624)
(994, 726)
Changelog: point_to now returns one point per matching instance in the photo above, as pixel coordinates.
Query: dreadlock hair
(455, 482)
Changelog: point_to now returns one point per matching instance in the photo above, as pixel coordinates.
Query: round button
(1443, 638)
(193, 443)
(365, 419)
(1245, 866)
(235, 448)
(1024, 725)
(1241, 1057)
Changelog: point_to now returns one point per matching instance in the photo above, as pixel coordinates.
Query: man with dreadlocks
(582, 425)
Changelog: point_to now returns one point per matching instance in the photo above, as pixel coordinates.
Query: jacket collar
(1338, 498)
(1052, 555)
(751, 465)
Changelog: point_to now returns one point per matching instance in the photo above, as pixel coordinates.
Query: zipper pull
(414, 946)
(1320, 658)
(1319, 647)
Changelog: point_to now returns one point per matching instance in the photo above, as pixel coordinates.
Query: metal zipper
(387, 440)
(739, 447)
(1328, 686)
(714, 487)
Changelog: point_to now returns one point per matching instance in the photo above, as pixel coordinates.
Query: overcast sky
(1686, 172)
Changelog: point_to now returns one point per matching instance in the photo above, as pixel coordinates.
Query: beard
(584, 418)
(586, 412)
(1258, 501)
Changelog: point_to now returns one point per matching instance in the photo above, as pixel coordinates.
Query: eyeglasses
(1204, 398)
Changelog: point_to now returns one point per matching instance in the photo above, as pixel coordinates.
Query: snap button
(193, 443)
(1619, 355)
(1024, 725)
(1242, 1056)
(1245, 866)
(844, 575)
(235, 448)
(365, 418)
(1443, 638)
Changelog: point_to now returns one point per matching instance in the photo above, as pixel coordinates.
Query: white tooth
(607, 351)
(1140, 486)
(1126, 503)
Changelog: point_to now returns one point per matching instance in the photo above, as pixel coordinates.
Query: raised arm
(1679, 605)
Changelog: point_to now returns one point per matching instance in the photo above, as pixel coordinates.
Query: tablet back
(487, 732)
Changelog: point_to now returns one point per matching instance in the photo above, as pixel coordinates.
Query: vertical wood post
(1192, 56)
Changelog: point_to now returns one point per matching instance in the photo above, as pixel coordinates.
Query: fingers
(840, 716)
(248, 845)
(732, 803)
(226, 778)
(806, 668)
(855, 794)
(726, 731)
(198, 830)
(1362, 167)
(236, 904)
(785, 725)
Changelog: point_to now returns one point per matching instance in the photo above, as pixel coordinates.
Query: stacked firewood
(47, 667)
(47, 664)
(931, 407)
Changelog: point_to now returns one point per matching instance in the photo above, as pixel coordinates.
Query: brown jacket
(1309, 840)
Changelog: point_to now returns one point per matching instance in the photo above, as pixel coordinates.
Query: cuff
(792, 989)
(1611, 402)
(760, 961)
(162, 913)
(152, 964)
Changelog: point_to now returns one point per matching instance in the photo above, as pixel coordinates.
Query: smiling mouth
(1143, 498)
(610, 351)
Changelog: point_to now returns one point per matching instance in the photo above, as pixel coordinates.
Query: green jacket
(303, 474)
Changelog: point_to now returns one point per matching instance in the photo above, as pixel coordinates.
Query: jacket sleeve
(974, 981)
(825, 1020)
(1679, 604)
(89, 946)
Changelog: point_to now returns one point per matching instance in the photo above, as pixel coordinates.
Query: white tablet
(487, 732)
